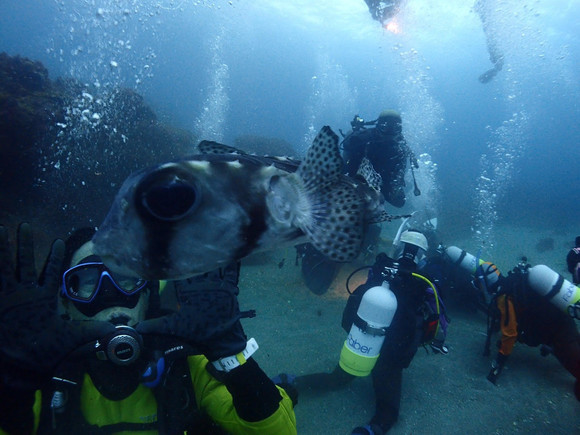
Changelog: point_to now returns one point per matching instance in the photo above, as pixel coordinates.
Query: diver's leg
(322, 382)
(387, 383)
(566, 346)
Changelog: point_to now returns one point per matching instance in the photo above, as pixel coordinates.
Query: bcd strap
(461, 257)
(368, 329)
(555, 288)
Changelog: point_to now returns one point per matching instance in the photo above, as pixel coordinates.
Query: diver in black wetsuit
(404, 335)
(573, 261)
(386, 149)
(483, 7)
(383, 10)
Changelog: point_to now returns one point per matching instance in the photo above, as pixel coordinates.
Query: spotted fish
(191, 216)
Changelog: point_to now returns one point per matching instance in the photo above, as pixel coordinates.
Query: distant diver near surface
(383, 10)
(483, 9)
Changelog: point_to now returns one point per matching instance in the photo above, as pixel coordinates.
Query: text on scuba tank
(354, 344)
(569, 292)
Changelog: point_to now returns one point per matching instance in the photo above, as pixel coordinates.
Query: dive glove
(34, 339)
(574, 310)
(217, 299)
(208, 317)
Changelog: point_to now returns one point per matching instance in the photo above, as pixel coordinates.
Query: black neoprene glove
(208, 317)
(255, 395)
(34, 339)
(574, 311)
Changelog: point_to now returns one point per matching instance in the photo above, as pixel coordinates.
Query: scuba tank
(487, 273)
(553, 287)
(363, 344)
(463, 259)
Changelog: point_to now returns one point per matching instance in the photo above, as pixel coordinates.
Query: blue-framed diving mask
(93, 287)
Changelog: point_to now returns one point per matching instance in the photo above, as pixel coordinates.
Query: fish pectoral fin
(286, 200)
(336, 224)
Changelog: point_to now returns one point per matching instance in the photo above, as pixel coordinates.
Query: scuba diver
(387, 318)
(532, 305)
(84, 350)
(387, 151)
(573, 261)
(381, 152)
(383, 10)
(483, 8)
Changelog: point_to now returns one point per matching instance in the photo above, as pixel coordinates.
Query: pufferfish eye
(168, 194)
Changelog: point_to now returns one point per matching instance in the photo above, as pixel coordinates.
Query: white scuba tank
(469, 263)
(363, 345)
(559, 291)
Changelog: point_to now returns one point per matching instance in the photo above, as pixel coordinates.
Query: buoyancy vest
(421, 297)
(168, 408)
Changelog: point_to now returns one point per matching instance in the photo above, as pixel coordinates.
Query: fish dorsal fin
(211, 147)
(323, 162)
(371, 176)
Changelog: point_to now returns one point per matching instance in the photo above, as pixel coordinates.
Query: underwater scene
(190, 134)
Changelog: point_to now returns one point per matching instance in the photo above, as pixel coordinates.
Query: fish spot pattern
(338, 215)
(323, 162)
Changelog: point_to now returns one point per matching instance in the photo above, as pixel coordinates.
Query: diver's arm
(16, 411)
(352, 154)
(255, 396)
(244, 400)
(572, 260)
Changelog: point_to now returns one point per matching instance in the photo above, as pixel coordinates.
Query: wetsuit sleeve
(509, 325)
(572, 260)
(19, 411)
(244, 391)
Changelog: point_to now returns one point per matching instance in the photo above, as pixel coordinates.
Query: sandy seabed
(300, 333)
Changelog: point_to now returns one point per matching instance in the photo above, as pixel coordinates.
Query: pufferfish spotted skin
(188, 217)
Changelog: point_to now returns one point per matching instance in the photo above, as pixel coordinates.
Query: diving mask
(82, 283)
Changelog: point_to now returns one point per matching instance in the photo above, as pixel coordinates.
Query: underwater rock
(68, 146)
(27, 108)
(20, 76)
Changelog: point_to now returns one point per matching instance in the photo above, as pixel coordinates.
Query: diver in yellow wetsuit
(115, 355)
